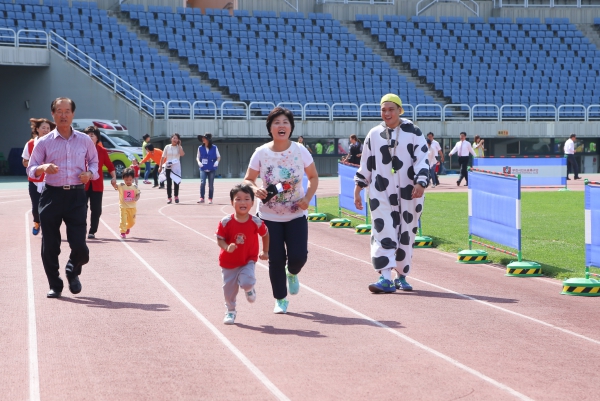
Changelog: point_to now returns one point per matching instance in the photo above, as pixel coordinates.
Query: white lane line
(34, 374)
(478, 301)
(251, 367)
(389, 329)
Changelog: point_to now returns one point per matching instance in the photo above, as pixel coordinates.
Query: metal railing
(259, 110)
(514, 112)
(457, 112)
(485, 112)
(430, 112)
(546, 4)
(470, 5)
(345, 111)
(388, 2)
(205, 111)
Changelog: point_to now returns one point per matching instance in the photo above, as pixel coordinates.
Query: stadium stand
(264, 58)
(102, 38)
(497, 63)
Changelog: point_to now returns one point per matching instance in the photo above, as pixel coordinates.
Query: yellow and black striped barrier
(422, 241)
(581, 287)
(472, 256)
(340, 223)
(363, 229)
(317, 217)
(524, 269)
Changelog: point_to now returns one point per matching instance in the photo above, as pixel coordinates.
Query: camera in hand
(274, 189)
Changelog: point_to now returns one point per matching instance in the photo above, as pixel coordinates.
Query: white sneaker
(229, 317)
(281, 306)
(251, 295)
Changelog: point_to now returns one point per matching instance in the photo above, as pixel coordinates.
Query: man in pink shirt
(68, 159)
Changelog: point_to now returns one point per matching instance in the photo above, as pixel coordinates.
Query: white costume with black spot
(395, 214)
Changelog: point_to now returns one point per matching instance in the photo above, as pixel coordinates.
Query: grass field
(552, 228)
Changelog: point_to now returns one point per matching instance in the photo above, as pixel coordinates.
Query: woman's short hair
(36, 123)
(276, 112)
(93, 130)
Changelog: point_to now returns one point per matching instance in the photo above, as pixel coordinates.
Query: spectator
(463, 148)
(208, 159)
(355, 150)
(170, 161)
(570, 155)
(155, 155)
(439, 155)
(148, 166)
(478, 147)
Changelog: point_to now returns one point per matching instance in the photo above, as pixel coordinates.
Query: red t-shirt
(136, 170)
(244, 235)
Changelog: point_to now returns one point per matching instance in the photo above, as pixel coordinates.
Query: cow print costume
(393, 161)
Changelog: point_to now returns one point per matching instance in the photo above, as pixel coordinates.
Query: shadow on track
(276, 331)
(435, 294)
(342, 321)
(104, 303)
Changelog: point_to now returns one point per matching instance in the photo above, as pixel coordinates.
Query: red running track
(148, 323)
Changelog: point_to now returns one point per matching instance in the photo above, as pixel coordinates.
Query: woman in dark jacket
(94, 189)
(355, 150)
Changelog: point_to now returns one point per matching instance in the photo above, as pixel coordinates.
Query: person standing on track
(170, 161)
(395, 168)
(237, 236)
(355, 151)
(439, 155)
(282, 165)
(155, 155)
(39, 128)
(94, 189)
(208, 159)
(570, 155)
(464, 149)
(69, 159)
(145, 144)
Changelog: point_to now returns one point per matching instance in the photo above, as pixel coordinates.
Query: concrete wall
(24, 56)
(40, 85)
(584, 15)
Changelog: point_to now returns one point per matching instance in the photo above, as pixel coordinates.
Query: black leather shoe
(53, 294)
(74, 285)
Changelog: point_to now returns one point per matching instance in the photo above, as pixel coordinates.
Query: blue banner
(313, 201)
(535, 171)
(346, 199)
(495, 208)
(592, 225)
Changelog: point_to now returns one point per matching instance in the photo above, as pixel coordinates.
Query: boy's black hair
(241, 188)
(128, 172)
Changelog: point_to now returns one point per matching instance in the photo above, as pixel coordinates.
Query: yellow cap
(390, 97)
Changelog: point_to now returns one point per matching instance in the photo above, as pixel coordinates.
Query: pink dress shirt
(73, 156)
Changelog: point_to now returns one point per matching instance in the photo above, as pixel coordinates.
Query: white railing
(349, 111)
(571, 112)
(388, 2)
(8, 37)
(203, 111)
(547, 3)
(179, 109)
(593, 112)
(289, 3)
(457, 112)
(317, 111)
(296, 108)
(514, 112)
(542, 112)
(485, 112)
(431, 112)
(233, 110)
(259, 108)
(470, 5)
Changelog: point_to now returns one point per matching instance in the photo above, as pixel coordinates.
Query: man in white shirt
(464, 149)
(570, 154)
(439, 155)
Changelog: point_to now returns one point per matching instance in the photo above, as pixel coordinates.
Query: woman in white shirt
(170, 162)
(282, 164)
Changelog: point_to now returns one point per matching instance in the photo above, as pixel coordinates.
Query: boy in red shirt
(237, 237)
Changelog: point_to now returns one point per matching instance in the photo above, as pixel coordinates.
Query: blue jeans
(433, 176)
(211, 179)
(147, 172)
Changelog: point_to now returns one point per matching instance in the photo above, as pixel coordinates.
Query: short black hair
(128, 172)
(430, 133)
(146, 136)
(276, 112)
(573, 136)
(241, 188)
(150, 147)
(58, 99)
(463, 133)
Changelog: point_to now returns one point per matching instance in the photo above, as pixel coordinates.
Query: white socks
(387, 274)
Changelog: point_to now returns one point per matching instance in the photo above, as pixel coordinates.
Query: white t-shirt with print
(282, 167)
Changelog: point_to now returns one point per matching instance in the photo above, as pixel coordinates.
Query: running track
(148, 323)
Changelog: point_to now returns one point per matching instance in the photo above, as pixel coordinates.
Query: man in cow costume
(395, 168)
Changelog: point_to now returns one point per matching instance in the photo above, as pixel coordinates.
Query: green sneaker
(293, 283)
(281, 306)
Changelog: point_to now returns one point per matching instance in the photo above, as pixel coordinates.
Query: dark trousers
(58, 205)
(155, 174)
(204, 175)
(95, 200)
(463, 162)
(169, 183)
(288, 242)
(572, 166)
(35, 201)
